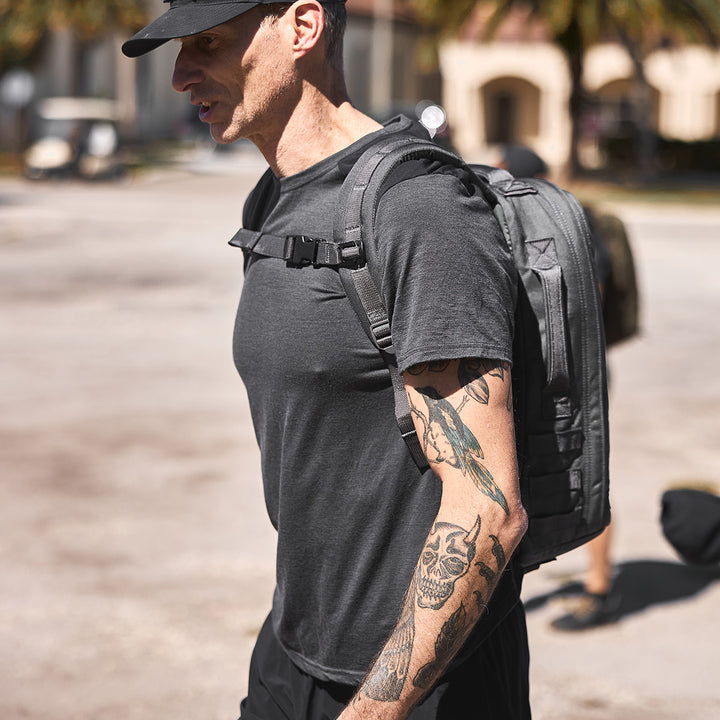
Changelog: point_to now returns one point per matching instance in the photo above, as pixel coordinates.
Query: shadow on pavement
(641, 584)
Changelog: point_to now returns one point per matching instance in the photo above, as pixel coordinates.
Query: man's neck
(314, 130)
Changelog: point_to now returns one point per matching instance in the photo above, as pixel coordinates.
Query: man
(383, 605)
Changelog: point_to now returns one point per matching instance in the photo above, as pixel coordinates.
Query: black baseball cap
(188, 17)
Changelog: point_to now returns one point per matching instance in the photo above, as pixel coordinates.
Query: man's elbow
(515, 525)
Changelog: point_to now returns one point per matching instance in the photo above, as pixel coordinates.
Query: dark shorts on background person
(492, 684)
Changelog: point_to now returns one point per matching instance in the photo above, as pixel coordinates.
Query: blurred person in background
(397, 595)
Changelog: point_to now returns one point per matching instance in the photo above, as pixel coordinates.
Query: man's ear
(306, 21)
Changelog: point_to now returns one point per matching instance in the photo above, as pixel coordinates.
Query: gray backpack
(559, 373)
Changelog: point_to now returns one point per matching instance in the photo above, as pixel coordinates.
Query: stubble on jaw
(270, 89)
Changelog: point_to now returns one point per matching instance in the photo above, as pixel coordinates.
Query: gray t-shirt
(351, 509)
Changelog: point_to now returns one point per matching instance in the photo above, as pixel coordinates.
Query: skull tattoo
(447, 557)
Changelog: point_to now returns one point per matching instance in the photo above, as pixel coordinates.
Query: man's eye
(206, 42)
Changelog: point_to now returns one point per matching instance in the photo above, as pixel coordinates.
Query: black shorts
(492, 684)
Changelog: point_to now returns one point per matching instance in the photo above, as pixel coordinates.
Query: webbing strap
(374, 307)
(269, 245)
(543, 258)
(404, 419)
(503, 182)
(297, 249)
(493, 175)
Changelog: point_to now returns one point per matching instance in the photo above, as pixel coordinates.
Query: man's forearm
(455, 577)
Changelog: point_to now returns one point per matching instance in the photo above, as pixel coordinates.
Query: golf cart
(77, 137)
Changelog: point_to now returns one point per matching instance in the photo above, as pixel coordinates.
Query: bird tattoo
(452, 442)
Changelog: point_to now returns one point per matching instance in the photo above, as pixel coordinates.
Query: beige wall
(475, 74)
(689, 83)
(685, 82)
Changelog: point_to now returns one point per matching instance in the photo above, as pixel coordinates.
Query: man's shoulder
(434, 177)
(393, 130)
(261, 198)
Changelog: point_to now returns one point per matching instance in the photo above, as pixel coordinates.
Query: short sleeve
(448, 277)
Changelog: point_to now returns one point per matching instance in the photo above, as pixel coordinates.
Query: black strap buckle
(302, 251)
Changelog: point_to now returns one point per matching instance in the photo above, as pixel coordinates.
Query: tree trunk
(571, 43)
(645, 137)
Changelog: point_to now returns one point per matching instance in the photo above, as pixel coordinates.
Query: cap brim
(181, 21)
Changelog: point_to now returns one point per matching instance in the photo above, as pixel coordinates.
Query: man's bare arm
(462, 411)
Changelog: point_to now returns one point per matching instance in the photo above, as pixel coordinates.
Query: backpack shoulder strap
(355, 221)
(354, 224)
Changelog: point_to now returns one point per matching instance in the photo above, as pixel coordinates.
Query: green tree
(24, 24)
(575, 25)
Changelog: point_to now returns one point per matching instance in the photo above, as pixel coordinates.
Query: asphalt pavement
(137, 558)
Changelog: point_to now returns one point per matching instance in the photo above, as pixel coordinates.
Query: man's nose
(186, 72)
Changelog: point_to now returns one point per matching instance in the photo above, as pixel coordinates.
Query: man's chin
(223, 135)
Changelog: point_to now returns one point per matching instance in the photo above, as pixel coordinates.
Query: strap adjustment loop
(381, 333)
(349, 252)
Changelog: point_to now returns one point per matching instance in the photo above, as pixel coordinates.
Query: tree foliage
(24, 23)
(642, 20)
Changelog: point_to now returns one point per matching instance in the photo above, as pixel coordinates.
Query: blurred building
(513, 89)
(516, 88)
(383, 60)
(381, 47)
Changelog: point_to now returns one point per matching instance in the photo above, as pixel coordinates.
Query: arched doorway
(615, 103)
(511, 108)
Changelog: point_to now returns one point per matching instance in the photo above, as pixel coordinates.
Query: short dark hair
(335, 23)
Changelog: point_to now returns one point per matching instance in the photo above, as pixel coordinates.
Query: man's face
(239, 74)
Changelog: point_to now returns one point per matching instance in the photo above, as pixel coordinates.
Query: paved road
(136, 554)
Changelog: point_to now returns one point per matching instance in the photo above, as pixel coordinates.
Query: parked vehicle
(77, 137)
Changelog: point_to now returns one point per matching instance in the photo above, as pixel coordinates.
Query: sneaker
(591, 611)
